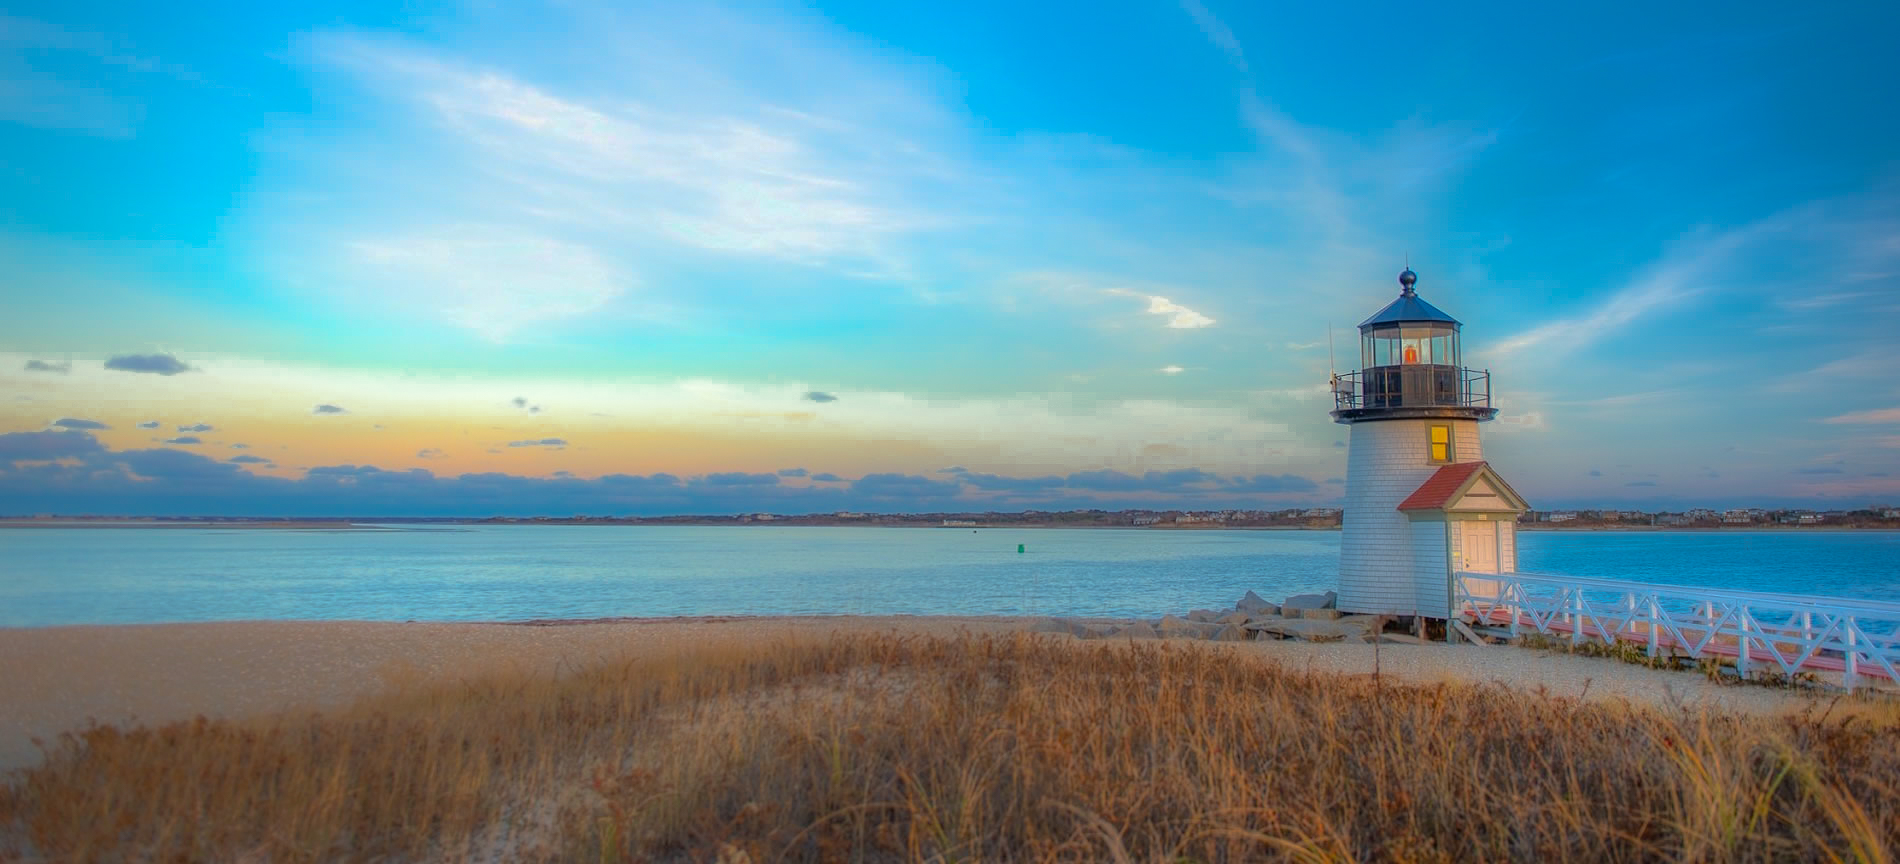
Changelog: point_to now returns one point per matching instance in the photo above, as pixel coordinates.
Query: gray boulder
(1252, 603)
(1203, 615)
(1355, 628)
(1231, 633)
(1176, 628)
(1303, 602)
(1240, 618)
(1326, 614)
(1137, 630)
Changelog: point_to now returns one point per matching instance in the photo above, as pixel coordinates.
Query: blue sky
(1028, 242)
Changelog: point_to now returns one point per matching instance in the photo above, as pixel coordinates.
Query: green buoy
(1019, 548)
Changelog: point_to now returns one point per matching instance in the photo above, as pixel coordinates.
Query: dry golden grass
(974, 748)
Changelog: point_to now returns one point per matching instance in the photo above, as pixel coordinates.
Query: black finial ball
(1408, 279)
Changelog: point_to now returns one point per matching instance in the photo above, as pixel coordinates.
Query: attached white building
(1414, 410)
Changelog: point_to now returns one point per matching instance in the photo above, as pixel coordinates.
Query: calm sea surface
(98, 576)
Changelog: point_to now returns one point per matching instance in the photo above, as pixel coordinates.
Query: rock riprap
(1309, 617)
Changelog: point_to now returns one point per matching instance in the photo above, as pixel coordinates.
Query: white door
(1481, 547)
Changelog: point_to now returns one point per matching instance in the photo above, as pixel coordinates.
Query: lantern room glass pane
(1408, 345)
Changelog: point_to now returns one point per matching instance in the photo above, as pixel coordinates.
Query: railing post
(1850, 670)
(1517, 609)
(1741, 654)
(1654, 617)
(1576, 616)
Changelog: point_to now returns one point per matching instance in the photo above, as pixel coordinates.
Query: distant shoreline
(398, 524)
(275, 525)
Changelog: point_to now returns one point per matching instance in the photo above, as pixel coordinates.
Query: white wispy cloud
(1685, 273)
(1824, 301)
(1343, 207)
(727, 183)
(607, 181)
(1884, 415)
(1814, 256)
(1854, 369)
(1178, 317)
(492, 281)
(49, 104)
(1216, 32)
(31, 95)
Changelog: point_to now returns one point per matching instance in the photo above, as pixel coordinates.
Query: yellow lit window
(1441, 443)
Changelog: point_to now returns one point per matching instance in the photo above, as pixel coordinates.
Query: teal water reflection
(100, 576)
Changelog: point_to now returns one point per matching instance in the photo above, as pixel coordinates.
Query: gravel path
(55, 679)
(1564, 675)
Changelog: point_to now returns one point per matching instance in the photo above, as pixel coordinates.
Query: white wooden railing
(1859, 639)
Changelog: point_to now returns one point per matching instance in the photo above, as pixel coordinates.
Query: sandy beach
(59, 678)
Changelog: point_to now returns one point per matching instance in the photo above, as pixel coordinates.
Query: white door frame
(1468, 544)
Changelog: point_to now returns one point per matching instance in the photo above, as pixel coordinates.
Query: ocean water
(499, 573)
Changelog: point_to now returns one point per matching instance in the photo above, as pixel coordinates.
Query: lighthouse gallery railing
(1416, 385)
(1794, 633)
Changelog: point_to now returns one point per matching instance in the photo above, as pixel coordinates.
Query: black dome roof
(1409, 308)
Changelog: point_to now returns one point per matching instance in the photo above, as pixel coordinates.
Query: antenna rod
(1331, 366)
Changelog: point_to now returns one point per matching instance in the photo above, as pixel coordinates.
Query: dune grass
(1013, 748)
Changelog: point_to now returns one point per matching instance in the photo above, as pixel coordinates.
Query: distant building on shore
(1421, 502)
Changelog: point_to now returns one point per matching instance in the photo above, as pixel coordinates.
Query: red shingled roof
(1437, 491)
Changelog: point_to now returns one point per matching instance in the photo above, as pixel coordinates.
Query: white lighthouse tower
(1421, 502)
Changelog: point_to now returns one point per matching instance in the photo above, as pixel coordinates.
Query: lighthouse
(1422, 504)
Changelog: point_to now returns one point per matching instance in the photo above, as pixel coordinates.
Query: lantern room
(1411, 365)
